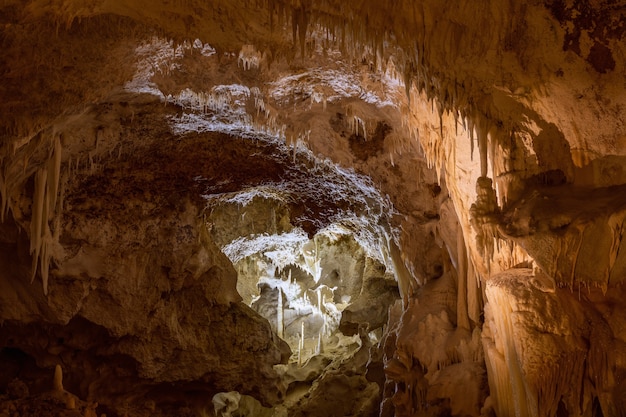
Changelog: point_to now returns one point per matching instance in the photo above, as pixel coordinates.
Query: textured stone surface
(496, 129)
(140, 297)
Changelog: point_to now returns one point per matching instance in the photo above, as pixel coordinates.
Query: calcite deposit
(312, 208)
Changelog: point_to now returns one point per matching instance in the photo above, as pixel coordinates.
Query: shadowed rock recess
(312, 208)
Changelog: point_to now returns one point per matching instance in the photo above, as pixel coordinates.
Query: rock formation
(319, 208)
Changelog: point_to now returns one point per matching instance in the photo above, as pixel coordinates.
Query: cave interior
(394, 208)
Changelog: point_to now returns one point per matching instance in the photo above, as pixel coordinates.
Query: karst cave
(312, 208)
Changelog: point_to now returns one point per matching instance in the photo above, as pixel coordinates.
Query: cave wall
(503, 153)
(140, 304)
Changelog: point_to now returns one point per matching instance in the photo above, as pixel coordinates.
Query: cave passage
(326, 294)
(389, 208)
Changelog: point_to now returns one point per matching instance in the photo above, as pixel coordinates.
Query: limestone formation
(320, 208)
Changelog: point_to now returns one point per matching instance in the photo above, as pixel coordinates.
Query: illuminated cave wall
(496, 130)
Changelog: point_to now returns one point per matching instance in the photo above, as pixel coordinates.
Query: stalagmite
(57, 382)
(512, 393)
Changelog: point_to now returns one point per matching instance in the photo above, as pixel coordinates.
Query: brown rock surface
(476, 152)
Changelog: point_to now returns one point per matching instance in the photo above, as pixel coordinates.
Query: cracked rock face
(171, 171)
(139, 291)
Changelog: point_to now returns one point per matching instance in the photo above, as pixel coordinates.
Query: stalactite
(37, 217)
(44, 210)
(301, 345)
(44, 258)
(320, 349)
(280, 317)
(462, 290)
(249, 58)
(300, 22)
(482, 146)
(54, 170)
(319, 299)
(470, 128)
(581, 231)
(491, 147)
(403, 276)
(616, 224)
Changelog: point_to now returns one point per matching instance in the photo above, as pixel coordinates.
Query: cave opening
(312, 247)
(327, 299)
